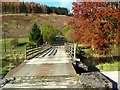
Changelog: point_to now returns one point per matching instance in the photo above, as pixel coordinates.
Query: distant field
(10, 48)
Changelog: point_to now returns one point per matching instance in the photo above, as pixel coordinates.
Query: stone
(94, 80)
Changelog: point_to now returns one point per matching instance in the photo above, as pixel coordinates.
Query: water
(99, 60)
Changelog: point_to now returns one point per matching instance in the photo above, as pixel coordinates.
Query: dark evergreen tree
(49, 10)
(26, 7)
(35, 35)
(23, 8)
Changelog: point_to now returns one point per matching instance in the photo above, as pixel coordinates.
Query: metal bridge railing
(71, 49)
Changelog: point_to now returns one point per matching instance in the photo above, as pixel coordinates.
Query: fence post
(25, 52)
(70, 50)
(75, 44)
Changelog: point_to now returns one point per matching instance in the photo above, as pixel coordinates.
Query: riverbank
(115, 66)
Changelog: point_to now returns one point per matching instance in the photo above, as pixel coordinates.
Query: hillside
(19, 25)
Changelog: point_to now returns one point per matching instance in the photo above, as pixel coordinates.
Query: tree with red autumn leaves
(96, 24)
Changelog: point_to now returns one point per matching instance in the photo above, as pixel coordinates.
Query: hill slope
(19, 25)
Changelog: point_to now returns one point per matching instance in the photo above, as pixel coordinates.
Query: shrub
(49, 32)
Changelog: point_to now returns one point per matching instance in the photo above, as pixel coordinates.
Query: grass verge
(9, 47)
(109, 66)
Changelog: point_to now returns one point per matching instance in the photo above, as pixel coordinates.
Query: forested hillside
(31, 7)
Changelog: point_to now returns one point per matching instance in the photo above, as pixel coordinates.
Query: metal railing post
(75, 45)
(25, 53)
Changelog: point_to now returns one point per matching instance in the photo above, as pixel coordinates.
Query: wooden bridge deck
(53, 69)
(55, 63)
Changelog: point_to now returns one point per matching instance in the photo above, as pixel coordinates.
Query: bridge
(50, 68)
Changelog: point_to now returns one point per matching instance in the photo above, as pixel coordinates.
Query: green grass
(5, 70)
(85, 50)
(9, 47)
(7, 44)
(89, 51)
(114, 50)
(2, 73)
(109, 66)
